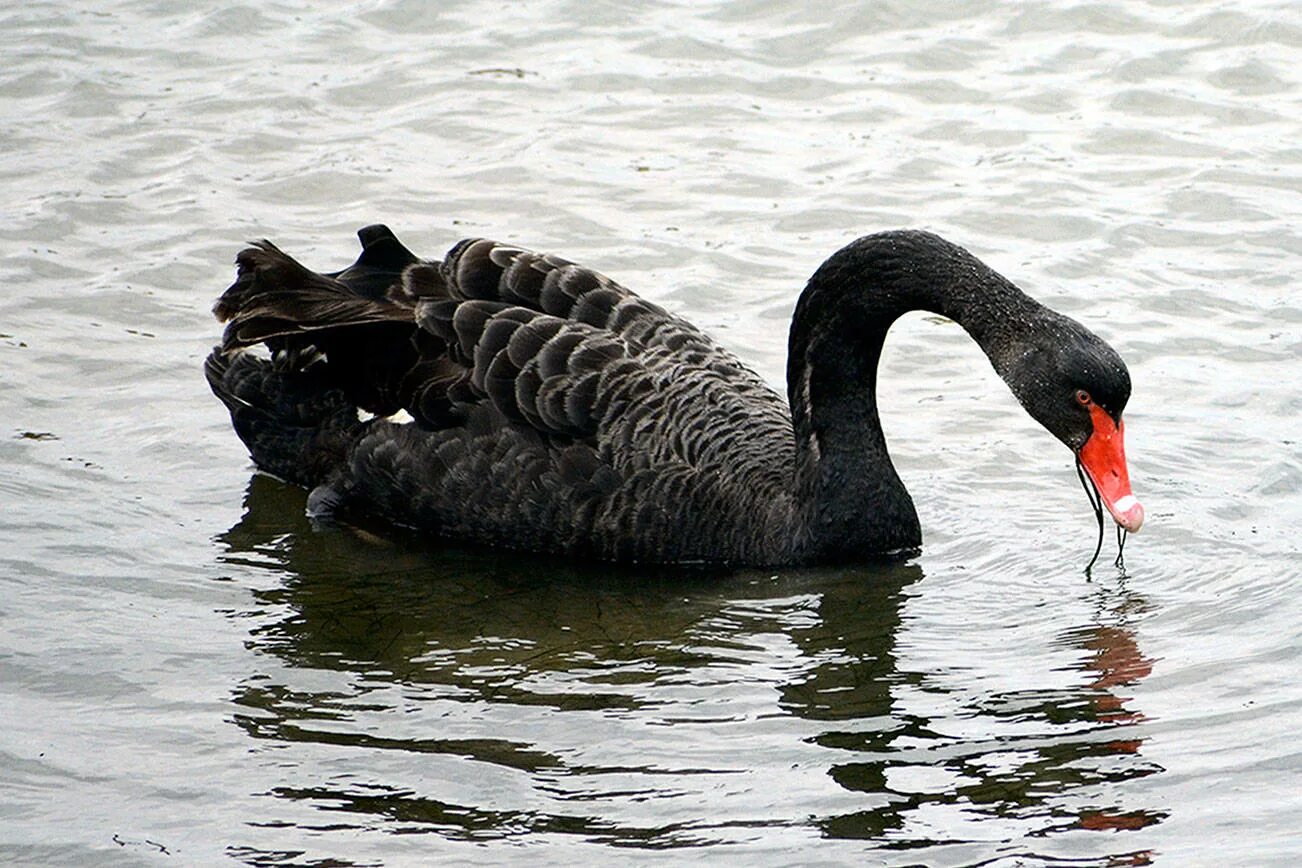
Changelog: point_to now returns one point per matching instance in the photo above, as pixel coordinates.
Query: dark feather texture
(555, 411)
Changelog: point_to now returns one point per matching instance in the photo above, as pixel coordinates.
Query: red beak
(1104, 458)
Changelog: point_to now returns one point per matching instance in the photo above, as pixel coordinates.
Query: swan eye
(1083, 398)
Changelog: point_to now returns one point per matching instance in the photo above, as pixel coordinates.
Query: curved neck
(853, 502)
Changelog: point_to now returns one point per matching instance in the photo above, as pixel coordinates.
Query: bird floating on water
(553, 410)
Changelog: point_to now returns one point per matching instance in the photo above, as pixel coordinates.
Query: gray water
(191, 673)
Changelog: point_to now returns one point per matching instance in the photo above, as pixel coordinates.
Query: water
(189, 671)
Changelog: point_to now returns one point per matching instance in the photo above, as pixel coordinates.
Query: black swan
(552, 410)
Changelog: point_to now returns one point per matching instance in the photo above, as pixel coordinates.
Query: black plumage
(556, 411)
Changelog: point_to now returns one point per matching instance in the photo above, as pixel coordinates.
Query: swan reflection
(478, 696)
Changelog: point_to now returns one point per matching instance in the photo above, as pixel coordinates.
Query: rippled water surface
(190, 671)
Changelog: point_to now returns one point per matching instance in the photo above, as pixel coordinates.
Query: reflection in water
(1059, 744)
(627, 700)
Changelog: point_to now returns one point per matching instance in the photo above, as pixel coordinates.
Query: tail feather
(360, 318)
(338, 342)
(274, 296)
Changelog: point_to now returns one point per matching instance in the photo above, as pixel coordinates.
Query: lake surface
(192, 673)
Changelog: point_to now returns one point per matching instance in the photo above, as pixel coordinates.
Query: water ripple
(190, 668)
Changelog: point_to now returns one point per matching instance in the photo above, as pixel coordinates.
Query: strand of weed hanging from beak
(1120, 562)
(1096, 501)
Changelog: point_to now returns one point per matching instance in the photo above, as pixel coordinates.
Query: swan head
(1075, 385)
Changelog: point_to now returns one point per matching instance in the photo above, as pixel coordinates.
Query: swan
(552, 410)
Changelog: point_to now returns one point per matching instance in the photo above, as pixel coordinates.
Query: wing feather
(555, 409)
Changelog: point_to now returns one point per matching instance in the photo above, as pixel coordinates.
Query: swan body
(555, 411)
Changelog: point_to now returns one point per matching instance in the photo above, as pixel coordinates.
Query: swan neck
(853, 498)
